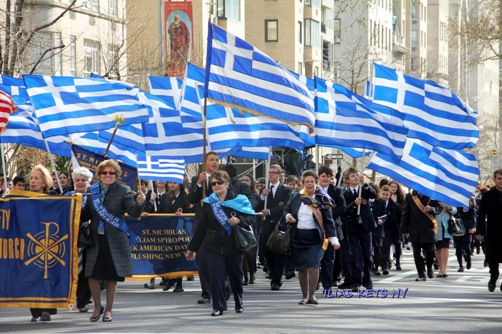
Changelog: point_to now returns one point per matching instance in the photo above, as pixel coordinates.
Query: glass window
(92, 5)
(45, 54)
(300, 32)
(112, 7)
(312, 33)
(73, 55)
(271, 31)
(229, 9)
(91, 57)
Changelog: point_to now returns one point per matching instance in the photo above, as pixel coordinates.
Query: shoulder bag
(85, 235)
(456, 226)
(279, 240)
(244, 238)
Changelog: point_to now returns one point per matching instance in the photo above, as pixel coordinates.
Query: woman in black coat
(312, 226)
(221, 211)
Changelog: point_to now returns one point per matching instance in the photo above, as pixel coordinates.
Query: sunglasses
(217, 183)
(106, 173)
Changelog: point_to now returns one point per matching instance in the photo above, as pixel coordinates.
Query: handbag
(244, 238)
(456, 227)
(279, 240)
(85, 235)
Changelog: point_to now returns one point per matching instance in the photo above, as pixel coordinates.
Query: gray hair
(81, 171)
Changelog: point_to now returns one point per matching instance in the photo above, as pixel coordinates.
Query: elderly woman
(82, 179)
(110, 258)
(221, 211)
(312, 226)
(40, 182)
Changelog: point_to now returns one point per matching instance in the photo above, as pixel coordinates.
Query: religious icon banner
(38, 250)
(178, 36)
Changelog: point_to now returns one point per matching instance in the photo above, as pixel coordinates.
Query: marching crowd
(343, 230)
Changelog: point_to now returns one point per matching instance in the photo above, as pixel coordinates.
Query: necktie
(355, 192)
(272, 191)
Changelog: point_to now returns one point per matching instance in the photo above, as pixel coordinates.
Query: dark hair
(310, 172)
(230, 169)
(383, 182)
(325, 169)
(18, 179)
(253, 182)
(291, 178)
(220, 175)
(497, 172)
(399, 191)
(145, 182)
(210, 153)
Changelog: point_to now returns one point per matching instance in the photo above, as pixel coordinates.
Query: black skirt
(306, 249)
(104, 269)
(445, 243)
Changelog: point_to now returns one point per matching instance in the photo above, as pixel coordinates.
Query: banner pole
(4, 170)
(119, 120)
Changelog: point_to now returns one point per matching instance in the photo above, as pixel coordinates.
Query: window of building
(271, 30)
(300, 32)
(229, 9)
(337, 31)
(312, 33)
(327, 55)
(92, 5)
(91, 57)
(326, 19)
(46, 53)
(73, 55)
(112, 7)
(299, 68)
(337, 71)
(315, 3)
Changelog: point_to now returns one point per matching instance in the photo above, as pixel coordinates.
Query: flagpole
(204, 138)
(150, 185)
(119, 120)
(53, 166)
(4, 161)
(360, 184)
(267, 175)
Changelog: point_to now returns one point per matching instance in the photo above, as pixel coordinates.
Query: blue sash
(108, 217)
(219, 214)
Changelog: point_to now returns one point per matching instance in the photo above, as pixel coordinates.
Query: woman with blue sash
(110, 258)
(221, 211)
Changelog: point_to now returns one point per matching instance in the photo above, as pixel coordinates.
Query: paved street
(460, 303)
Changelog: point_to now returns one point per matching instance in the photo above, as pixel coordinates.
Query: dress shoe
(148, 286)
(368, 285)
(275, 287)
(355, 287)
(163, 282)
(246, 282)
(469, 264)
(45, 316)
(178, 289)
(290, 274)
(345, 285)
(204, 301)
(217, 313)
(252, 278)
(398, 267)
(34, 319)
(190, 278)
(378, 273)
(301, 302)
(312, 301)
(385, 271)
(491, 285)
(239, 309)
(430, 273)
(460, 269)
(168, 285)
(421, 279)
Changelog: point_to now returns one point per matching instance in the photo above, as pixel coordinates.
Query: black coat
(276, 206)
(416, 223)
(468, 219)
(212, 236)
(352, 219)
(243, 189)
(489, 224)
(338, 211)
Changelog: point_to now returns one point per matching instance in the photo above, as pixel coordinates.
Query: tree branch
(43, 55)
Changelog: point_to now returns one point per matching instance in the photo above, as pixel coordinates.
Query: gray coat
(118, 200)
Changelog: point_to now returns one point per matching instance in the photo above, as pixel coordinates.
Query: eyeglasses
(271, 172)
(106, 173)
(217, 183)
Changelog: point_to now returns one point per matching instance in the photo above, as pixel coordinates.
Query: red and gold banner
(178, 32)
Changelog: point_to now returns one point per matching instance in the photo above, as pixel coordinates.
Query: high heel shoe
(96, 318)
(217, 313)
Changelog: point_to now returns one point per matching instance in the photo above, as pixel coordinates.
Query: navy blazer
(276, 206)
(366, 215)
(327, 217)
(338, 211)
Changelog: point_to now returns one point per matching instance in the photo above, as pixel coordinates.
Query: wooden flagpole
(119, 119)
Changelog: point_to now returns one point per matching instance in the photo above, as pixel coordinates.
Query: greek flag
(168, 88)
(433, 114)
(348, 120)
(447, 175)
(65, 105)
(15, 88)
(242, 77)
(158, 168)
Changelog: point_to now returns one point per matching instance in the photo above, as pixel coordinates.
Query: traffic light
(494, 153)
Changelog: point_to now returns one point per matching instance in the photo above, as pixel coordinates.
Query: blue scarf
(107, 216)
(239, 203)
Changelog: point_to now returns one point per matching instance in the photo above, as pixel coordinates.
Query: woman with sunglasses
(221, 211)
(110, 258)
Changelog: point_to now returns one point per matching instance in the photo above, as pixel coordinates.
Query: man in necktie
(276, 195)
(360, 224)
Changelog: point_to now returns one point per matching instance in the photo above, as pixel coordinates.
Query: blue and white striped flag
(158, 168)
(15, 88)
(168, 88)
(434, 114)
(348, 120)
(65, 105)
(449, 176)
(242, 77)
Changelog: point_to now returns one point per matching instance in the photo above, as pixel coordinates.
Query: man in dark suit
(338, 210)
(199, 189)
(418, 223)
(277, 196)
(360, 224)
(490, 230)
